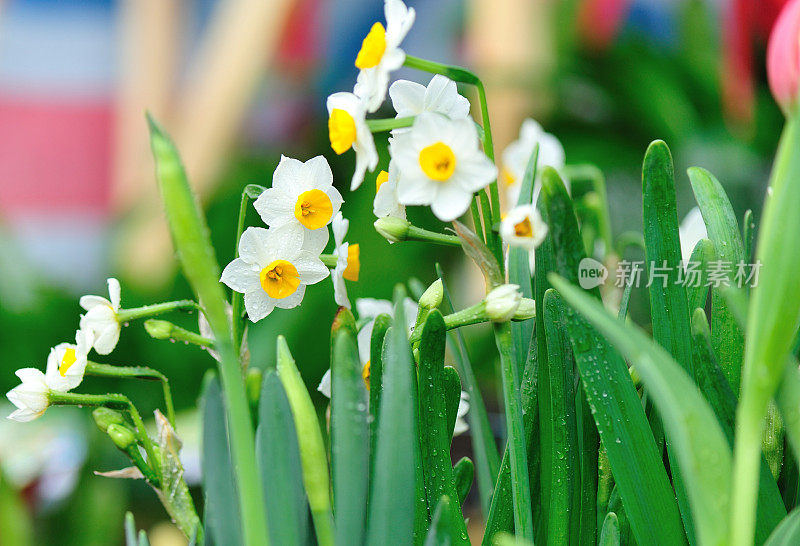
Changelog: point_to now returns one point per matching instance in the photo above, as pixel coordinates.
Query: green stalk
(490, 213)
(147, 311)
(138, 372)
(521, 493)
(387, 124)
(191, 239)
(112, 401)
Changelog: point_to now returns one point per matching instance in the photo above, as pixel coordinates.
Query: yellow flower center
(437, 161)
(313, 209)
(508, 178)
(353, 263)
(380, 180)
(523, 229)
(279, 279)
(67, 360)
(365, 373)
(341, 130)
(372, 47)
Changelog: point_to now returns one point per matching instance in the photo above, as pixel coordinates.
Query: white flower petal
(408, 98)
(310, 268)
(107, 339)
(290, 176)
(241, 276)
(88, 302)
(450, 202)
(255, 246)
(325, 384)
(275, 207)
(114, 293)
(257, 304)
(293, 300)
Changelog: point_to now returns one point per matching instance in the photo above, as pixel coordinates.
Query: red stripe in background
(54, 156)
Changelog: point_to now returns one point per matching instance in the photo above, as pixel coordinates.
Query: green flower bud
(432, 297)
(393, 229)
(526, 309)
(159, 329)
(122, 436)
(253, 385)
(105, 417)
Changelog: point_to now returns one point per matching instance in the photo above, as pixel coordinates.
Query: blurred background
(240, 82)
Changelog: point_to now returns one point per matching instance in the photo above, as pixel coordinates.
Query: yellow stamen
(341, 130)
(353, 263)
(523, 229)
(313, 209)
(508, 178)
(437, 161)
(365, 373)
(67, 360)
(380, 180)
(372, 48)
(279, 279)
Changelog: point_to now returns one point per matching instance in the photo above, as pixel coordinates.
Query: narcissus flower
(66, 362)
(348, 265)
(347, 128)
(274, 267)
(101, 318)
(368, 309)
(463, 408)
(440, 96)
(518, 153)
(386, 201)
(523, 227)
(380, 53)
(302, 196)
(31, 397)
(783, 56)
(441, 165)
(690, 231)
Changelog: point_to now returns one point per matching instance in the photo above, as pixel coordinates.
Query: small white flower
(347, 128)
(380, 53)
(348, 265)
(302, 196)
(518, 153)
(386, 200)
(368, 309)
(31, 397)
(502, 302)
(440, 96)
(441, 165)
(691, 230)
(101, 318)
(274, 267)
(463, 408)
(66, 362)
(523, 227)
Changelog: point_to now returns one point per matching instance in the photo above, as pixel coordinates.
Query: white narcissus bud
(502, 302)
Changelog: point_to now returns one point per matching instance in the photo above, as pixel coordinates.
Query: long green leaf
(222, 513)
(441, 532)
(190, 236)
(609, 535)
(723, 230)
(392, 493)
(463, 474)
(641, 479)
(312, 447)
(697, 291)
(563, 472)
(787, 533)
(278, 458)
(700, 445)
(349, 440)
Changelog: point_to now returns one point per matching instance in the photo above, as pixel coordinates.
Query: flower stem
(387, 124)
(147, 311)
(138, 372)
(112, 401)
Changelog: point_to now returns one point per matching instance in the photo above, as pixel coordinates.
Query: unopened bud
(122, 436)
(253, 385)
(526, 309)
(432, 297)
(502, 302)
(105, 417)
(783, 56)
(393, 229)
(159, 329)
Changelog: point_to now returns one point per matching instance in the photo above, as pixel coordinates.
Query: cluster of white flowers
(66, 363)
